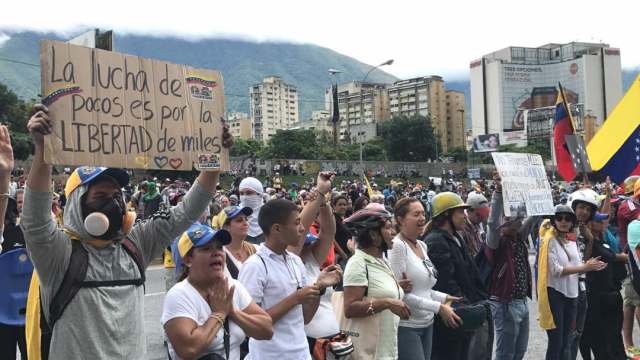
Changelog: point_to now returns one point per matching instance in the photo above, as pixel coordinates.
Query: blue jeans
(414, 343)
(511, 322)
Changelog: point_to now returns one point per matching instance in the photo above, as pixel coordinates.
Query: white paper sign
(525, 186)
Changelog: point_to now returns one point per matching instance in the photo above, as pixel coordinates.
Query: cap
(86, 174)
(200, 235)
(231, 212)
(475, 200)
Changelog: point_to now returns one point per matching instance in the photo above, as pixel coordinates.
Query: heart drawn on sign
(161, 161)
(142, 161)
(175, 163)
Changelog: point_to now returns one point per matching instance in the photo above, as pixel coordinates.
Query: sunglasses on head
(567, 218)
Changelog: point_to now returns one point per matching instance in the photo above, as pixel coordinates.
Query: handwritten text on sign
(525, 186)
(118, 110)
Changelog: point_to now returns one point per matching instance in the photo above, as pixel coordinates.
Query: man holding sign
(100, 314)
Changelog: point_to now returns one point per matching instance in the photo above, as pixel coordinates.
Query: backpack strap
(71, 283)
(76, 272)
(133, 251)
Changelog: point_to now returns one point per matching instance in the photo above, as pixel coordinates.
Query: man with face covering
(101, 321)
(252, 196)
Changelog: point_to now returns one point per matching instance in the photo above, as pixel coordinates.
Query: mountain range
(243, 63)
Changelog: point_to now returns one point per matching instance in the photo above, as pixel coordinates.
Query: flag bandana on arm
(615, 149)
(561, 128)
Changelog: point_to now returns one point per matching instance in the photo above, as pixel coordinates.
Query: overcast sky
(423, 37)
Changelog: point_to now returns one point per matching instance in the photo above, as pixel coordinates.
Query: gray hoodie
(105, 322)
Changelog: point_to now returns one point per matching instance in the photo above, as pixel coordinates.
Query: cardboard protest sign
(525, 187)
(119, 110)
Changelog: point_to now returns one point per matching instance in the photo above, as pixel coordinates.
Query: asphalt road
(155, 291)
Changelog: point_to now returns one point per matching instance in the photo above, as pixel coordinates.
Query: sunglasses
(567, 218)
(430, 268)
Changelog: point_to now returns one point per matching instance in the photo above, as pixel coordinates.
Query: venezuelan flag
(615, 149)
(562, 126)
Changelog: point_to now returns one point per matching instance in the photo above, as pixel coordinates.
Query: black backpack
(73, 281)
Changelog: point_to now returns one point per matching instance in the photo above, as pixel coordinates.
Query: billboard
(526, 87)
(486, 143)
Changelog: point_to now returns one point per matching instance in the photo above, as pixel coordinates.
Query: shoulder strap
(263, 263)
(76, 272)
(226, 338)
(233, 269)
(71, 283)
(133, 251)
(366, 273)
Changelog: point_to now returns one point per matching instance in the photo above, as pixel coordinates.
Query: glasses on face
(566, 218)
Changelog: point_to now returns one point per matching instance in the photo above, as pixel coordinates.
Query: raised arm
(6, 166)
(155, 234)
(47, 245)
(497, 211)
(39, 125)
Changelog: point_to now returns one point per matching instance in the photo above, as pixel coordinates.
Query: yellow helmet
(446, 201)
(629, 183)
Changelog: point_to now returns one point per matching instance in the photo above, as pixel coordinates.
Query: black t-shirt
(603, 281)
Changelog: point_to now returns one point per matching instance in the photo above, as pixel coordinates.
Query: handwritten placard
(525, 186)
(119, 110)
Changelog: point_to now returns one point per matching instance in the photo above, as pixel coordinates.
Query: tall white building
(274, 106)
(508, 84)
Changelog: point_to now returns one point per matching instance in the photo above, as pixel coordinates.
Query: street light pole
(388, 62)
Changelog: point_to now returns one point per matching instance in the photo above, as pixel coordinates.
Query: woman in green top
(368, 274)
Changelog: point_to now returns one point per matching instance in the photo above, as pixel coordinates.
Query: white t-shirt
(269, 283)
(324, 322)
(183, 300)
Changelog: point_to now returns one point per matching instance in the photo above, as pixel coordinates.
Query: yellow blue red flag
(615, 149)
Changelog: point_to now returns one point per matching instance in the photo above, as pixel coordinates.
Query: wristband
(4, 196)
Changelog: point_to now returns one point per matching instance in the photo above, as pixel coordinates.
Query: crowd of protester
(319, 270)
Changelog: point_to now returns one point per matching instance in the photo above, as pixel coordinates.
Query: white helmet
(584, 195)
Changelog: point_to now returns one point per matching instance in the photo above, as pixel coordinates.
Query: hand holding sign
(120, 110)
(39, 125)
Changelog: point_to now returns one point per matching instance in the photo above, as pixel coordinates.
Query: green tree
(242, 147)
(409, 138)
(292, 144)
(458, 154)
(15, 113)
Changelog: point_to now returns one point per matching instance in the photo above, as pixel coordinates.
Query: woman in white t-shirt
(409, 260)
(235, 220)
(205, 302)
